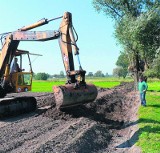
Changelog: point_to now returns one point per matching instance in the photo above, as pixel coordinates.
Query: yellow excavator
(74, 92)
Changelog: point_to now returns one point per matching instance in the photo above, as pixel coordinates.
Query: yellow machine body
(21, 81)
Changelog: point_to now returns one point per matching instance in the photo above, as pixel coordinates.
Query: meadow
(46, 86)
(149, 116)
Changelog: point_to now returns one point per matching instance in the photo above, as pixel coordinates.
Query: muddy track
(106, 125)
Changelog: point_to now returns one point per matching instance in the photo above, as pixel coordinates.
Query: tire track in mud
(41, 138)
(45, 134)
(25, 134)
(77, 138)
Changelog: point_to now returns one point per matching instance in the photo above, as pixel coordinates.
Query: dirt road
(107, 125)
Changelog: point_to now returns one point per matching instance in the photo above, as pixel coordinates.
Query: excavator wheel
(17, 105)
(68, 96)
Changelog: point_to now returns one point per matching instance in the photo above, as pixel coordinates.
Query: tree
(141, 37)
(99, 74)
(120, 8)
(41, 76)
(61, 75)
(107, 75)
(131, 30)
(122, 63)
(120, 72)
(123, 60)
(90, 74)
(155, 67)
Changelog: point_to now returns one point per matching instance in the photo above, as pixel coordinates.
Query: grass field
(46, 86)
(149, 117)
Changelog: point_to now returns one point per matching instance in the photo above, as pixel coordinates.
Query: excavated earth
(107, 125)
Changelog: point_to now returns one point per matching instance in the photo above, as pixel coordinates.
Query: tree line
(46, 76)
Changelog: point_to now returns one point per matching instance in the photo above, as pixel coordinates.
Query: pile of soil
(108, 124)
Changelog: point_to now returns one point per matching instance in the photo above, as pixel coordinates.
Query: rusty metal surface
(8, 50)
(65, 42)
(67, 96)
(35, 35)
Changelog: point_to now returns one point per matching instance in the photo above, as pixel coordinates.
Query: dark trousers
(143, 98)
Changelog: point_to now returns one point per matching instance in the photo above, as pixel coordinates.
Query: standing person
(142, 87)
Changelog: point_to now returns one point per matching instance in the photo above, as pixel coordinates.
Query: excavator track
(17, 105)
(2, 92)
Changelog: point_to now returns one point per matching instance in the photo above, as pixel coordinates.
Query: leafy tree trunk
(136, 69)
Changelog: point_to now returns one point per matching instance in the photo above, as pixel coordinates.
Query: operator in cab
(15, 66)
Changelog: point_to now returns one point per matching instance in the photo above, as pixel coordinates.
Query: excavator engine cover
(67, 95)
(17, 105)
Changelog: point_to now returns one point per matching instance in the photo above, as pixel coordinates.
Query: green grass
(154, 86)
(106, 84)
(149, 121)
(108, 79)
(45, 86)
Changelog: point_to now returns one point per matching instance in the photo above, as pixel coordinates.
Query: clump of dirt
(105, 125)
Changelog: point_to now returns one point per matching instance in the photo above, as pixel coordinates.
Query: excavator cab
(19, 79)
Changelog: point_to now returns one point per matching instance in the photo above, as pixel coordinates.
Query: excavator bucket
(67, 95)
(17, 105)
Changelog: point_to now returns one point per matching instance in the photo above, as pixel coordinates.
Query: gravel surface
(107, 125)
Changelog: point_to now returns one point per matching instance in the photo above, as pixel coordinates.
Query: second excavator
(75, 92)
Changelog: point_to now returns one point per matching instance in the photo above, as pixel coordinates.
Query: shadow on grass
(135, 137)
(153, 90)
(158, 106)
(143, 120)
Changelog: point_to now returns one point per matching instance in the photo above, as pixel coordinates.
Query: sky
(98, 47)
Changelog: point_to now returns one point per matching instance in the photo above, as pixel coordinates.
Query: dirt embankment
(106, 125)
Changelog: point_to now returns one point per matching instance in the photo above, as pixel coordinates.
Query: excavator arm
(76, 91)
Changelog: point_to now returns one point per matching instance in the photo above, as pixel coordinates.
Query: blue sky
(98, 49)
